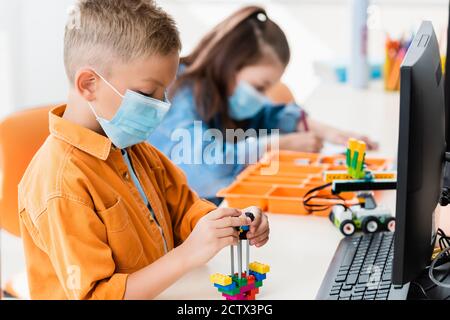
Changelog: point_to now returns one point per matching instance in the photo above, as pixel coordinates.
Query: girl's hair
(241, 40)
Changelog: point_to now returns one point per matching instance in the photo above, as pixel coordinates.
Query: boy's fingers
(256, 229)
(228, 241)
(259, 233)
(223, 212)
(227, 232)
(259, 238)
(262, 243)
(227, 222)
(257, 213)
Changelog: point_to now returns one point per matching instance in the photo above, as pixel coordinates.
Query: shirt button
(126, 176)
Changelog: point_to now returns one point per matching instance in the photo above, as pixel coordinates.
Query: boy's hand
(212, 233)
(259, 229)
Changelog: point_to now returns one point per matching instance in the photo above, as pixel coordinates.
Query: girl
(224, 84)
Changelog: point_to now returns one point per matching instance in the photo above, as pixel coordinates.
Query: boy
(103, 215)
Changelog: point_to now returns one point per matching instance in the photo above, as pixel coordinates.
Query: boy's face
(148, 76)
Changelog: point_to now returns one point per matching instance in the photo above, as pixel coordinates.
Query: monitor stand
(430, 290)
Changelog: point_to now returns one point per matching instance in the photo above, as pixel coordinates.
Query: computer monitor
(421, 154)
(447, 87)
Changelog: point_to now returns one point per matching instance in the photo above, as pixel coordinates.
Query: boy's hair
(100, 33)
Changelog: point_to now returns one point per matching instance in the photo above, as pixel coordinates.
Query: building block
(221, 279)
(259, 267)
(248, 288)
(226, 288)
(235, 297)
(240, 282)
(356, 154)
(251, 295)
(242, 285)
(258, 276)
(232, 292)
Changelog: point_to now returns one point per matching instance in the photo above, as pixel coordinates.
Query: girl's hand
(341, 137)
(301, 142)
(337, 136)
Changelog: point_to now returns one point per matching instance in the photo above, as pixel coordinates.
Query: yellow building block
(361, 148)
(259, 267)
(221, 279)
(331, 176)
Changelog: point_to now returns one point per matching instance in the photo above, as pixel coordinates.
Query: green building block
(240, 282)
(258, 284)
(233, 292)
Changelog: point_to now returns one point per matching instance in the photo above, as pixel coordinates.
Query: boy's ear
(86, 82)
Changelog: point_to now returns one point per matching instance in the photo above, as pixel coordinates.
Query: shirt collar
(81, 138)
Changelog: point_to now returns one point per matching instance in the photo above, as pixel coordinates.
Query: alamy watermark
(200, 145)
(73, 280)
(73, 18)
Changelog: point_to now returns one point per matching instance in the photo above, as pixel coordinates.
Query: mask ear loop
(93, 110)
(109, 85)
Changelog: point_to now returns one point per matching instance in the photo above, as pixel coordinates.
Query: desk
(301, 248)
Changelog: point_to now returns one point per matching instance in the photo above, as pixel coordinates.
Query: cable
(432, 266)
(421, 289)
(322, 207)
(442, 238)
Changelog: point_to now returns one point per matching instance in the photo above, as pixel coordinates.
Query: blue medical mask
(138, 116)
(246, 102)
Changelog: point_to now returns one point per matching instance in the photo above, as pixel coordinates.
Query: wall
(31, 38)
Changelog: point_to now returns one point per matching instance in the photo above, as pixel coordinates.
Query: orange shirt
(84, 224)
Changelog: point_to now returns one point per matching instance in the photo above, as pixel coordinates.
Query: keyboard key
(381, 291)
(347, 287)
(381, 296)
(348, 258)
(364, 278)
(372, 288)
(345, 294)
(351, 279)
(387, 276)
(336, 286)
(334, 292)
(359, 297)
(340, 279)
(360, 289)
(346, 298)
(384, 285)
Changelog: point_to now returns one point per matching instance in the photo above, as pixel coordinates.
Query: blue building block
(226, 288)
(258, 276)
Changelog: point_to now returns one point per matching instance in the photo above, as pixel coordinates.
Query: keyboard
(361, 269)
